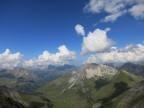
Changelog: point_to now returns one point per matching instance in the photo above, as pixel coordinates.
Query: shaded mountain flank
(10, 99)
(137, 69)
(132, 98)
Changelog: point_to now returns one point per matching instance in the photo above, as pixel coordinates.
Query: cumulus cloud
(130, 53)
(80, 29)
(115, 8)
(96, 41)
(64, 56)
(137, 11)
(10, 60)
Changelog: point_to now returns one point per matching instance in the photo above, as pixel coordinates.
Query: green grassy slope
(69, 99)
(92, 92)
(36, 101)
(133, 98)
(21, 85)
(11, 83)
(122, 81)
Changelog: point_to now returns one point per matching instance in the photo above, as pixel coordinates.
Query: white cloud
(130, 53)
(115, 8)
(113, 17)
(64, 56)
(80, 29)
(137, 11)
(109, 6)
(107, 29)
(9, 60)
(96, 41)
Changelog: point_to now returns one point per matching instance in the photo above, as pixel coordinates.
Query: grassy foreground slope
(120, 83)
(69, 99)
(132, 98)
(36, 101)
(90, 94)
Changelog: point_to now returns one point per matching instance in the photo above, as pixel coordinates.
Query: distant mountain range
(137, 69)
(27, 80)
(90, 86)
(61, 68)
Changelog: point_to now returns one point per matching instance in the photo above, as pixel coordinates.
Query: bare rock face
(10, 99)
(91, 71)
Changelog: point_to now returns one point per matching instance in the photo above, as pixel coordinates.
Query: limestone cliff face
(91, 71)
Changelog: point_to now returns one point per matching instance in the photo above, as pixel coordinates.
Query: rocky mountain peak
(91, 71)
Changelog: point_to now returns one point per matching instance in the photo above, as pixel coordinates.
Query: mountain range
(89, 86)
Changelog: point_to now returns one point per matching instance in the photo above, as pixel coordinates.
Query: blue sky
(32, 26)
